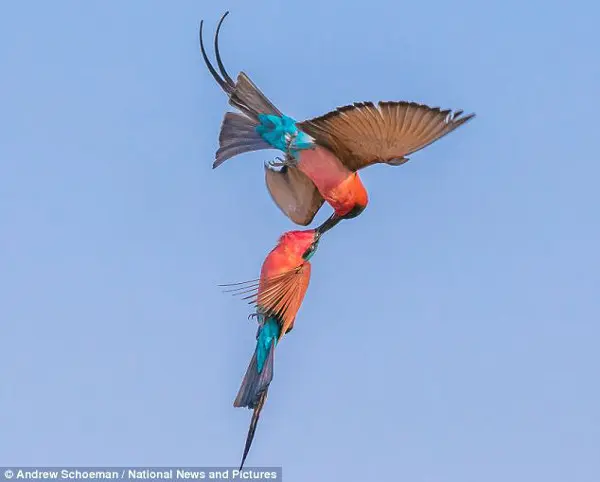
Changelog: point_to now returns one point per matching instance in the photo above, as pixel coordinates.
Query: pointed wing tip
(398, 161)
(464, 118)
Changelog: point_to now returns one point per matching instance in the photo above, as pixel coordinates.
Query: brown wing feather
(282, 296)
(363, 133)
(294, 193)
(279, 295)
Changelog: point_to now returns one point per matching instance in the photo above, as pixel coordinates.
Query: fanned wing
(283, 295)
(363, 133)
(279, 295)
(294, 193)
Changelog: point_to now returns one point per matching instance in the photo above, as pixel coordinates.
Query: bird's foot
(288, 161)
(259, 317)
(277, 162)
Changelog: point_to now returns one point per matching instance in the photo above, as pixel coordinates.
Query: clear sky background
(449, 334)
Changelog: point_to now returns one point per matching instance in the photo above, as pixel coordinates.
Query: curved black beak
(328, 224)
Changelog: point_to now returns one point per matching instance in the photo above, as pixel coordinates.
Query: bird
(277, 296)
(322, 155)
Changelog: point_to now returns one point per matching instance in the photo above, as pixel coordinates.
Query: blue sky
(450, 333)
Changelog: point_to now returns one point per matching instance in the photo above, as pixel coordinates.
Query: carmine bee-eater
(323, 155)
(277, 294)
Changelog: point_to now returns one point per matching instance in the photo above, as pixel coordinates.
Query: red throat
(361, 196)
(348, 195)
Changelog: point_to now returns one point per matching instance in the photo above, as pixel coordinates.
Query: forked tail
(243, 94)
(262, 126)
(253, 391)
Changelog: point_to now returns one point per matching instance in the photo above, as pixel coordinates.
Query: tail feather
(243, 94)
(247, 97)
(255, 382)
(238, 135)
(253, 391)
(252, 427)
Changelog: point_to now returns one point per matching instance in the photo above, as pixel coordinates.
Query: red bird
(277, 294)
(323, 155)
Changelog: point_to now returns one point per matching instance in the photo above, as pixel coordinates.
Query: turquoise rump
(268, 335)
(282, 133)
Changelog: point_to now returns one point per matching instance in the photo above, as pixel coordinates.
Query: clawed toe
(259, 317)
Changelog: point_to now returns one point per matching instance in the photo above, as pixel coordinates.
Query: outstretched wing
(279, 296)
(363, 133)
(294, 193)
